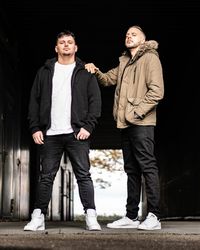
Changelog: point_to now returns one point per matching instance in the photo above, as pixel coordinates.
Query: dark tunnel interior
(28, 30)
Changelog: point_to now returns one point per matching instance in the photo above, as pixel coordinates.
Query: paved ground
(174, 235)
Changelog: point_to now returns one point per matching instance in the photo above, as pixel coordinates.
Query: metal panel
(1, 149)
(14, 162)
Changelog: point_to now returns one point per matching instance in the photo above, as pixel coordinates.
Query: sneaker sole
(150, 229)
(37, 229)
(126, 226)
(96, 229)
(93, 229)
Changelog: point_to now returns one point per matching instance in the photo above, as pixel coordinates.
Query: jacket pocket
(131, 107)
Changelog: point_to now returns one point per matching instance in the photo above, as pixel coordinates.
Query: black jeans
(139, 159)
(51, 153)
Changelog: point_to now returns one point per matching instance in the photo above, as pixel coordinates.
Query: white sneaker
(37, 221)
(150, 223)
(124, 222)
(91, 220)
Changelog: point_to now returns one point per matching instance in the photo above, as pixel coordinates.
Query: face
(134, 38)
(66, 46)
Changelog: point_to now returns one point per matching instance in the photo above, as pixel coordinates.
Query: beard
(66, 54)
(133, 45)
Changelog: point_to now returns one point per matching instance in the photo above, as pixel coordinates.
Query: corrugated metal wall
(14, 161)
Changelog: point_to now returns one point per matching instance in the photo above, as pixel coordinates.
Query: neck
(133, 51)
(66, 59)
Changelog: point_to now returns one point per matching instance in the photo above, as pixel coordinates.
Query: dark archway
(100, 31)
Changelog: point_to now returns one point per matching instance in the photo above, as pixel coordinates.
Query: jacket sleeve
(155, 86)
(34, 105)
(109, 78)
(94, 105)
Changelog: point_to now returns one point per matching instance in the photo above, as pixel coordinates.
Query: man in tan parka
(139, 88)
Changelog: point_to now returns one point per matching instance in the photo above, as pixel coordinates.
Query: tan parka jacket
(139, 88)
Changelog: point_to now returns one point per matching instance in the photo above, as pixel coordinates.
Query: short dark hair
(139, 28)
(65, 33)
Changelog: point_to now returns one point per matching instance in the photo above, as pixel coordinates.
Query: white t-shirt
(61, 100)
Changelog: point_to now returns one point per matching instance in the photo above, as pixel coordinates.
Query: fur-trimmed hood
(150, 46)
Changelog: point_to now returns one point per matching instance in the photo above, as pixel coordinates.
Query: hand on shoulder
(90, 67)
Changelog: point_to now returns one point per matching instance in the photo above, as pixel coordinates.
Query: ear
(56, 49)
(143, 39)
(76, 48)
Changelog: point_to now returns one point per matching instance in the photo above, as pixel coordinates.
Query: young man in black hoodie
(65, 104)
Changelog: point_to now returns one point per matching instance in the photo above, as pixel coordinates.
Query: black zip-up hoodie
(86, 99)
